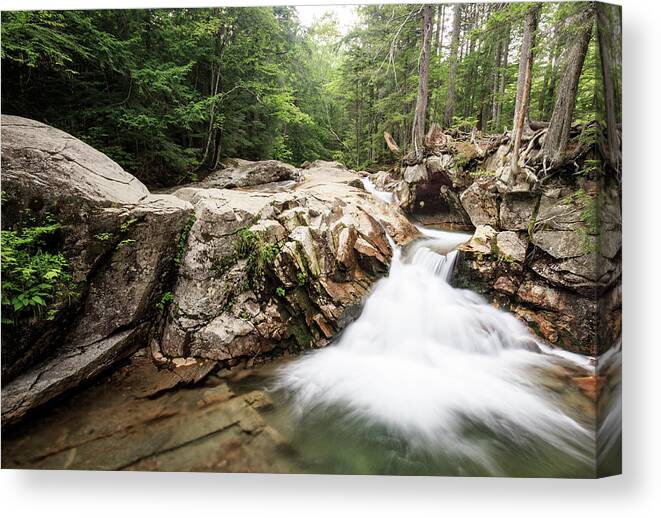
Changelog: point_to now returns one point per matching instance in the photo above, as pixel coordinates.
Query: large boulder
(237, 173)
(279, 271)
(119, 242)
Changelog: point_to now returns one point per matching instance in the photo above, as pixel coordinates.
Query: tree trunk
(450, 101)
(555, 142)
(418, 130)
(521, 122)
(525, 69)
(503, 76)
(439, 29)
(496, 76)
(605, 54)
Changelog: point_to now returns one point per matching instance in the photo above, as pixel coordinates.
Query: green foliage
(183, 240)
(280, 291)
(125, 242)
(168, 93)
(302, 278)
(258, 255)
(124, 227)
(35, 279)
(103, 236)
(166, 300)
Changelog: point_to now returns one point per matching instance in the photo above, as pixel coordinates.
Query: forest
(169, 93)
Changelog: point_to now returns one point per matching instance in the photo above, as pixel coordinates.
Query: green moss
(301, 334)
(183, 240)
(302, 278)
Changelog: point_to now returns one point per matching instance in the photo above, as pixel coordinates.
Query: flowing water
(433, 380)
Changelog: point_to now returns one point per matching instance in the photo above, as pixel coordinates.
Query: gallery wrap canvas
(343, 239)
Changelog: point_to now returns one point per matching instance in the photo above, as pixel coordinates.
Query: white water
(388, 197)
(429, 362)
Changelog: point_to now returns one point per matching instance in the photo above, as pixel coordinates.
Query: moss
(301, 334)
(183, 240)
(259, 256)
(222, 265)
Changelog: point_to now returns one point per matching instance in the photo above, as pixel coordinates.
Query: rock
(72, 366)
(37, 157)
(481, 204)
(481, 241)
(134, 420)
(244, 173)
(512, 245)
(120, 243)
(562, 244)
(415, 173)
(428, 191)
(282, 271)
(517, 209)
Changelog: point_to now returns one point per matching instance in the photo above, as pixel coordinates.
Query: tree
(521, 120)
(557, 137)
(451, 100)
(418, 131)
(606, 58)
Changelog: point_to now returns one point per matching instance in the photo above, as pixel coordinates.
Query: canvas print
(340, 239)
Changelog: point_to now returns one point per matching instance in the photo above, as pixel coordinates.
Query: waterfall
(388, 197)
(433, 365)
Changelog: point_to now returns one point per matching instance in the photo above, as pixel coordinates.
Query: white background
(635, 494)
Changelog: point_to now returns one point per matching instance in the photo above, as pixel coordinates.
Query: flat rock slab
(135, 419)
(67, 370)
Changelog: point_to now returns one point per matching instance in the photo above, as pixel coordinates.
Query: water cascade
(443, 373)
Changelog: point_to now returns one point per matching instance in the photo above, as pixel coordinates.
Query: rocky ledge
(267, 271)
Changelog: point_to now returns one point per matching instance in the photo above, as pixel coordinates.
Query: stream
(429, 380)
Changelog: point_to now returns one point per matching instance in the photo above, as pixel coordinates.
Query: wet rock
(113, 426)
(68, 369)
(430, 190)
